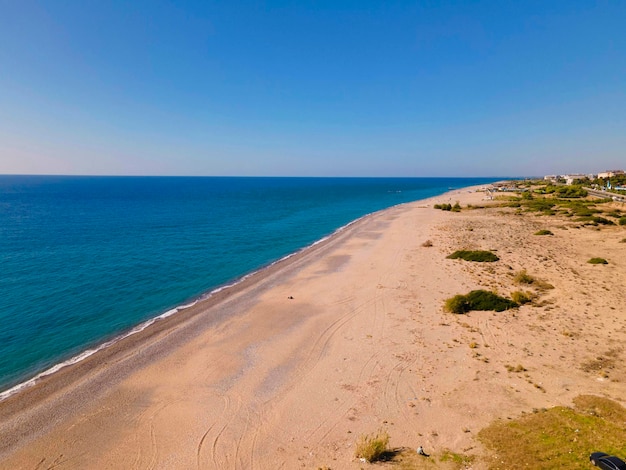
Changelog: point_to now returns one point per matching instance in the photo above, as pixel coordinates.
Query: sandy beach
(289, 367)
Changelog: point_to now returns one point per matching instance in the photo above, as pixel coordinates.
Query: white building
(610, 173)
(569, 179)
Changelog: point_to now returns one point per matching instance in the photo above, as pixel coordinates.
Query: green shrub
(372, 447)
(579, 209)
(443, 207)
(598, 261)
(602, 221)
(457, 304)
(539, 205)
(567, 192)
(480, 256)
(544, 232)
(485, 300)
(478, 300)
(594, 220)
(456, 207)
(622, 221)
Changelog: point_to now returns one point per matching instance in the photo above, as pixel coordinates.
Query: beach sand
(255, 379)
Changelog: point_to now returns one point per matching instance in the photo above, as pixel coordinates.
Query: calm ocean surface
(83, 259)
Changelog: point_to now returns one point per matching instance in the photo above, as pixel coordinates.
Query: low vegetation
(372, 447)
(477, 255)
(522, 277)
(449, 207)
(462, 460)
(594, 220)
(478, 300)
(602, 364)
(407, 459)
(566, 192)
(560, 437)
(521, 298)
(597, 261)
(544, 232)
(548, 201)
(427, 244)
(622, 221)
(518, 368)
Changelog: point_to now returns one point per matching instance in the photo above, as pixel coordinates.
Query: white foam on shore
(142, 326)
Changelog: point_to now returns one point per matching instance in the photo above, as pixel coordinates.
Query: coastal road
(605, 194)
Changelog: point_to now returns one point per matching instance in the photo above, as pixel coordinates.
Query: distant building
(610, 173)
(569, 179)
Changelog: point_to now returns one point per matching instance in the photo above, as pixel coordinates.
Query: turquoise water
(83, 259)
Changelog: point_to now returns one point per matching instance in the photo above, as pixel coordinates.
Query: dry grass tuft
(372, 447)
(427, 244)
(522, 298)
(522, 277)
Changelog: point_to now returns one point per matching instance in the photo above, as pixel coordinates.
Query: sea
(85, 260)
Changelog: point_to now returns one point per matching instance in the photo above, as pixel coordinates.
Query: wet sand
(252, 378)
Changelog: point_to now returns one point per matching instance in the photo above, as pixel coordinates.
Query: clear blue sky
(320, 88)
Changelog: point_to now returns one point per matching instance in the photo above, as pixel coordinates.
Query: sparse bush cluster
(544, 232)
(594, 220)
(597, 261)
(567, 192)
(449, 207)
(537, 205)
(566, 205)
(478, 300)
(479, 256)
(622, 221)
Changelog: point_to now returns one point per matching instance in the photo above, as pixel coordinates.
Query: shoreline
(89, 369)
(106, 343)
(83, 355)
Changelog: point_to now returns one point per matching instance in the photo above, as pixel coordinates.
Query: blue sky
(319, 88)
